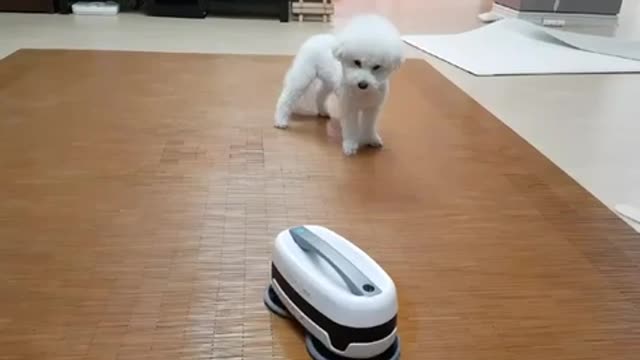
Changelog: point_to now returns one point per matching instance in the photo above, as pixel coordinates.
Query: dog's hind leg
(286, 103)
(296, 85)
(330, 78)
(323, 95)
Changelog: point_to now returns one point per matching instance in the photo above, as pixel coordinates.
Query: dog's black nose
(363, 85)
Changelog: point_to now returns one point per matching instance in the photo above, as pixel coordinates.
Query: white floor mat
(516, 47)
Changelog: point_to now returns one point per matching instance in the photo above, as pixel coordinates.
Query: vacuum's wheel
(318, 351)
(273, 303)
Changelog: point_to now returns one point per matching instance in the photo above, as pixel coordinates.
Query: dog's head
(369, 49)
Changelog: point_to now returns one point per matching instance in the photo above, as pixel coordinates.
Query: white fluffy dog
(344, 76)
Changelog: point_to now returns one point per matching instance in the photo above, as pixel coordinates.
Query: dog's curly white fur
(344, 76)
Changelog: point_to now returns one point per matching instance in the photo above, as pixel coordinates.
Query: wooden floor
(140, 193)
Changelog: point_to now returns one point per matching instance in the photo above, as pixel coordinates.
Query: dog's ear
(338, 50)
(398, 60)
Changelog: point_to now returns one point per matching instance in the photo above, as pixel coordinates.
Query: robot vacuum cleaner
(342, 298)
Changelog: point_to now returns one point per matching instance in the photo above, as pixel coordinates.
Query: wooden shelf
(312, 10)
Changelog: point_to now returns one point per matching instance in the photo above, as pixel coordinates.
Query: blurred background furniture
(64, 6)
(582, 13)
(48, 6)
(257, 8)
(312, 10)
(177, 8)
(599, 7)
(280, 9)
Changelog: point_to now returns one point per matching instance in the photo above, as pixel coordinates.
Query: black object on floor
(46, 6)
(279, 8)
(177, 8)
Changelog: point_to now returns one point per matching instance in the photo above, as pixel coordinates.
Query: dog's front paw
(350, 147)
(281, 124)
(374, 141)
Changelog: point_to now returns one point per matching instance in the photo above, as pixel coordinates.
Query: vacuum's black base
(273, 303)
(318, 351)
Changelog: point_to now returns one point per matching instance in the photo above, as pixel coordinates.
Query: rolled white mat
(628, 211)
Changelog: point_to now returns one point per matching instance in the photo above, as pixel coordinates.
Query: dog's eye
(357, 63)
(376, 68)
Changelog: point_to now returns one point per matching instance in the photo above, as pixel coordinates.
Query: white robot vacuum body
(341, 296)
